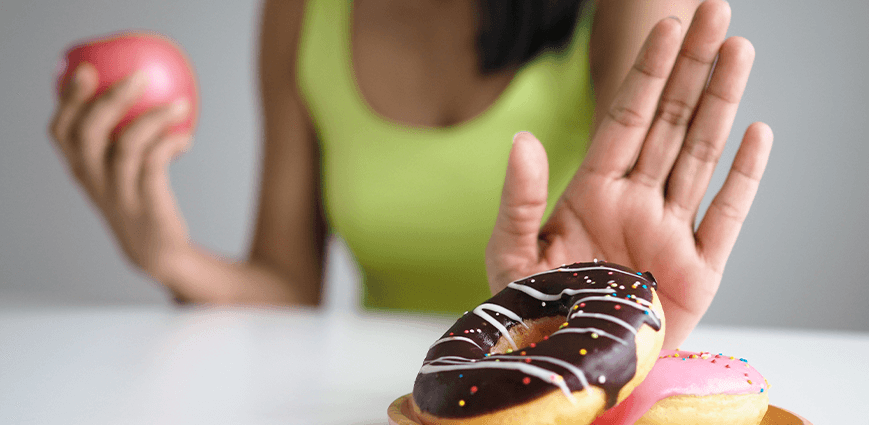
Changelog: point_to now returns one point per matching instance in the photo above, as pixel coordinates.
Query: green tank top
(416, 206)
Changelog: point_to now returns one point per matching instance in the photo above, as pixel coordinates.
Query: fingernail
(676, 18)
(78, 75)
(516, 135)
(140, 79)
(180, 106)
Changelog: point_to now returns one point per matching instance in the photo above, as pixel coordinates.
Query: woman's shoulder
(280, 30)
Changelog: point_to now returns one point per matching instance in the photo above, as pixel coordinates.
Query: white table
(154, 365)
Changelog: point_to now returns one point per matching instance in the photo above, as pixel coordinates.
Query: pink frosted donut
(689, 387)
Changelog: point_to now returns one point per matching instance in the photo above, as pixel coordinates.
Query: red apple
(116, 56)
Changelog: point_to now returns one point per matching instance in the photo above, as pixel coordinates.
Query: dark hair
(512, 32)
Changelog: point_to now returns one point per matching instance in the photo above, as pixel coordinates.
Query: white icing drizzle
(573, 369)
(455, 338)
(461, 363)
(552, 297)
(503, 310)
(643, 302)
(588, 330)
(633, 304)
(605, 317)
(580, 269)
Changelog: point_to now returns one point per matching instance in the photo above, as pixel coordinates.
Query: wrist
(169, 268)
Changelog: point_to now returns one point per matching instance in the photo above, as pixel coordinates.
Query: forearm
(199, 276)
(619, 30)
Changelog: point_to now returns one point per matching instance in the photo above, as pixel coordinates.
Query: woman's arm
(618, 32)
(291, 228)
(286, 255)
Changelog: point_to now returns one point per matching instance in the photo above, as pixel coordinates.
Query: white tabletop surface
(155, 365)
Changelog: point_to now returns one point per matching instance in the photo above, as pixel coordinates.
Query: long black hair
(512, 32)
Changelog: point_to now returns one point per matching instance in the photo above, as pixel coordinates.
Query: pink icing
(686, 373)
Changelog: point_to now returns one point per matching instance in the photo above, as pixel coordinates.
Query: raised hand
(635, 198)
(127, 178)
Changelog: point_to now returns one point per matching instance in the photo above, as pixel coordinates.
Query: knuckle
(675, 111)
(153, 161)
(78, 170)
(703, 150)
(729, 210)
(626, 116)
(87, 134)
(55, 132)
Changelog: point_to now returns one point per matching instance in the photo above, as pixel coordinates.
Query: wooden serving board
(401, 413)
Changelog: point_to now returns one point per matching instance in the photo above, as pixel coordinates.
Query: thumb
(513, 248)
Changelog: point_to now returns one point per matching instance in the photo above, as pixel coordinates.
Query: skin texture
(614, 197)
(635, 198)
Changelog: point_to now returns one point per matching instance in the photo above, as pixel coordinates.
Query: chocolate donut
(565, 343)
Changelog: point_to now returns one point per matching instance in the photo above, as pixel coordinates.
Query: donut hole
(533, 332)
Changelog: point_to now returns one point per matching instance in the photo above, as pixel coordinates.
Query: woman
(386, 122)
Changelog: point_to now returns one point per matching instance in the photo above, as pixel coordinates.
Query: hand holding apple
(118, 135)
(170, 73)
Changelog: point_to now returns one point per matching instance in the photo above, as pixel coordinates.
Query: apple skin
(116, 56)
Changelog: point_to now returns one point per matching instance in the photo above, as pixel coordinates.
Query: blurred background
(800, 262)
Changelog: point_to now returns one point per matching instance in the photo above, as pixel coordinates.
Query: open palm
(635, 199)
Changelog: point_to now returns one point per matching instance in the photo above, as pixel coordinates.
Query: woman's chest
(418, 64)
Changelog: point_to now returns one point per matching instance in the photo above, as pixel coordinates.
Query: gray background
(799, 262)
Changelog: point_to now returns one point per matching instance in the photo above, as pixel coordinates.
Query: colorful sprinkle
(583, 351)
(532, 345)
(474, 389)
(618, 307)
(526, 380)
(602, 379)
(594, 335)
(462, 403)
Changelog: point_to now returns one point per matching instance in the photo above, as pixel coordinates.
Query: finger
(523, 202)
(623, 129)
(720, 227)
(91, 137)
(127, 153)
(682, 92)
(72, 99)
(710, 128)
(154, 179)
